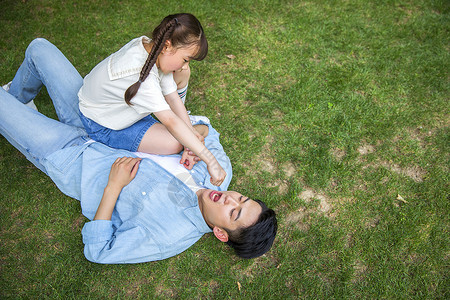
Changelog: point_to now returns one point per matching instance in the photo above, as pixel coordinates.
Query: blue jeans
(128, 138)
(32, 133)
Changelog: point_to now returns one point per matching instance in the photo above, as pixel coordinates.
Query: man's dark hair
(255, 240)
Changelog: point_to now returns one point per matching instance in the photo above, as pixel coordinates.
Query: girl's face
(175, 59)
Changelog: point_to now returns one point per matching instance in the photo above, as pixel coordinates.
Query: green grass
(329, 110)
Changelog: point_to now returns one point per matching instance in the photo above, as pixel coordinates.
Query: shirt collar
(195, 216)
(192, 212)
(128, 60)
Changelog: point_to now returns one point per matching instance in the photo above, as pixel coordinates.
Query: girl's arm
(177, 106)
(180, 131)
(188, 158)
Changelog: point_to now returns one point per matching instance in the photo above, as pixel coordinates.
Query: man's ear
(221, 234)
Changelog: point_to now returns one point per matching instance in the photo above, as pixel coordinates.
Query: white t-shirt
(102, 94)
(173, 166)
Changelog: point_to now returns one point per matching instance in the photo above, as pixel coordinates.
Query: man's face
(228, 209)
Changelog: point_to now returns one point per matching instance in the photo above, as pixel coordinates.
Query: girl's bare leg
(158, 140)
(181, 77)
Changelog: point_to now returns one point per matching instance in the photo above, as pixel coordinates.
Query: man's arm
(104, 242)
(123, 170)
(130, 240)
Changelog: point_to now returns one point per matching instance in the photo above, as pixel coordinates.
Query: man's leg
(32, 133)
(44, 64)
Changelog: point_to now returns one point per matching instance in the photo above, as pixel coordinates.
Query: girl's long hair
(182, 30)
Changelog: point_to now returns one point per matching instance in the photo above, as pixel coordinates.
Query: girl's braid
(159, 41)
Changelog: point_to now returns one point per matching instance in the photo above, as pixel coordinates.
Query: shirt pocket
(62, 160)
(64, 168)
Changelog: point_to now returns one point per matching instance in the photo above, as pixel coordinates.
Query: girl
(120, 93)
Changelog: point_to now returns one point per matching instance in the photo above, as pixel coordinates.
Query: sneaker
(199, 119)
(29, 104)
(32, 105)
(6, 86)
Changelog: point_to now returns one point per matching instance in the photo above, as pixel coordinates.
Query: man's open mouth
(215, 196)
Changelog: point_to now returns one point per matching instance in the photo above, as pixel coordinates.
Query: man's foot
(32, 105)
(29, 104)
(6, 86)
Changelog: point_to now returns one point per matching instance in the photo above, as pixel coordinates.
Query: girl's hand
(217, 173)
(189, 159)
(123, 170)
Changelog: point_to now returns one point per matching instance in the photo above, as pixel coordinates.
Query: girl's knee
(170, 146)
(166, 146)
(181, 78)
(175, 147)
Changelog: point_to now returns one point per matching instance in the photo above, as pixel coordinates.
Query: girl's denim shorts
(128, 138)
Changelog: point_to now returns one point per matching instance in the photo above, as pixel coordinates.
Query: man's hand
(123, 170)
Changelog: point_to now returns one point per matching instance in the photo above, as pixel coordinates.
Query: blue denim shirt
(156, 216)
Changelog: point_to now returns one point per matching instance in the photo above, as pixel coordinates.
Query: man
(139, 211)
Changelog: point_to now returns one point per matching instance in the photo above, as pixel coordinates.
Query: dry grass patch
(282, 186)
(163, 291)
(359, 269)
(415, 173)
(372, 222)
(297, 218)
(267, 164)
(300, 217)
(289, 169)
(132, 290)
(260, 264)
(78, 223)
(324, 205)
(337, 153)
(278, 115)
(265, 159)
(420, 135)
(366, 149)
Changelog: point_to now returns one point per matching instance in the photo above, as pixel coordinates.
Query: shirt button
(144, 193)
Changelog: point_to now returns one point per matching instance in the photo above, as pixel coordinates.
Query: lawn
(335, 113)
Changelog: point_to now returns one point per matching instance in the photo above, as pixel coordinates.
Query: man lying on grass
(139, 211)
